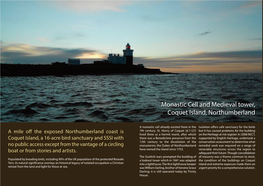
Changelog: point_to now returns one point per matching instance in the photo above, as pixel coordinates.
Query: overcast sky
(176, 36)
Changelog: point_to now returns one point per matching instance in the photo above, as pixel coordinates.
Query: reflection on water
(124, 98)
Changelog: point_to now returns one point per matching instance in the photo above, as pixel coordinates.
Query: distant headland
(115, 64)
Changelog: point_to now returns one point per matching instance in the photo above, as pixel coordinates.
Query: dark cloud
(204, 59)
(26, 54)
(248, 54)
(256, 38)
(205, 33)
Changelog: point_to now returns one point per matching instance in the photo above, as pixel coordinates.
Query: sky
(176, 36)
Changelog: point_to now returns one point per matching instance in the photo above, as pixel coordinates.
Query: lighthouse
(128, 54)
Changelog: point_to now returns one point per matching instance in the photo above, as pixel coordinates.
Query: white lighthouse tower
(128, 54)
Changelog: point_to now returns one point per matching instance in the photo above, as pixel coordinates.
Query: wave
(123, 119)
(72, 111)
(149, 111)
(82, 120)
(76, 104)
(26, 111)
(99, 114)
(39, 105)
(193, 99)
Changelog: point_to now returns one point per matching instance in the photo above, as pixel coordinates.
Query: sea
(133, 98)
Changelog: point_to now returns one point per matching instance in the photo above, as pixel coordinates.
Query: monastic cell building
(73, 61)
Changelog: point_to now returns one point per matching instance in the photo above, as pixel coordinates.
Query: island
(115, 64)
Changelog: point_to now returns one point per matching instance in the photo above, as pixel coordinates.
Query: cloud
(69, 36)
(90, 6)
(256, 38)
(43, 39)
(236, 61)
(28, 54)
(229, 46)
(249, 7)
(238, 55)
(205, 33)
(251, 4)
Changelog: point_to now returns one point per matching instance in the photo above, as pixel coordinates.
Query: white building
(116, 59)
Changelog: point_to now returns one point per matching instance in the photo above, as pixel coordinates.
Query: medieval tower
(128, 54)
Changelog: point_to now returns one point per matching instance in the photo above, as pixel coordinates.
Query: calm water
(125, 98)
